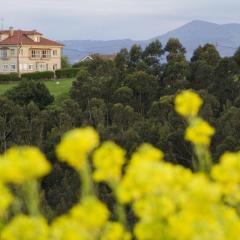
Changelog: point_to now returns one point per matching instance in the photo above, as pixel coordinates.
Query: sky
(113, 19)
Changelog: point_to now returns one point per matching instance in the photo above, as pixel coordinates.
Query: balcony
(43, 54)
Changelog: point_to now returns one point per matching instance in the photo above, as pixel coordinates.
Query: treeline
(128, 100)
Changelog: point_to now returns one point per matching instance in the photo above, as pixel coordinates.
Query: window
(36, 53)
(12, 52)
(5, 67)
(23, 67)
(12, 67)
(46, 53)
(55, 52)
(42, 67)
(33, 54)
(30, 67)
(3, 53)
(36, 38)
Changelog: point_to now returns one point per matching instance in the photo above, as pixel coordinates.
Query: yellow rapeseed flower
(26, 228)
(108, 161)
(5, 199)
(227, 175)
(188, 103)
(199, 132)
(115, 231)
(76, 145)
(228, 170)
(65, 228)
(85, 221)
(21, 164)
(91, 213)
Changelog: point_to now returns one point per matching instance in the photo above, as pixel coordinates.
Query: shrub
(29, 90)
(38, 75)
(9, 77)
(67, 72)
(170, 202)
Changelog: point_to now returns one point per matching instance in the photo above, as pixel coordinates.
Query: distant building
(28, 51)
(105, 57)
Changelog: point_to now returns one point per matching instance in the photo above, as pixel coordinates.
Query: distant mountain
(226, 37)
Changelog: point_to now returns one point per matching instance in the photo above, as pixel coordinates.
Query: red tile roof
(21, 38)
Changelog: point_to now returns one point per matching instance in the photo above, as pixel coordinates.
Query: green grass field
(56, 87)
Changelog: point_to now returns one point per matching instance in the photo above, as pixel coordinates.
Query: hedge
(9, 77)
(38, 75)
(67, 72)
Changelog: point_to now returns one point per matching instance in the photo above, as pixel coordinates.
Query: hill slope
(193, 34)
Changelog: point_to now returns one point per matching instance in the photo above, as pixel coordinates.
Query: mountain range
(226, 37)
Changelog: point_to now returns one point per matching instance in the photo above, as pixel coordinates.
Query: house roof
(104, 57)
(20, 37)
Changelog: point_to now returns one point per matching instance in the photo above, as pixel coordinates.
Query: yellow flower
(65, 228)
(199, 132)
(76, 145)
(115, 231)
(108, 161)
(84, 222)
(144, 167)
(20, 164)
(91, 213)
(6, 199)
(188, 103)
(26, 228)
(227, 174)
(147, 152)
(228, 170)
(146, 174)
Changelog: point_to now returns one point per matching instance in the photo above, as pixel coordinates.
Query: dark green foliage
(28, 91)
(67, 72)
(65, 62)
(9, 77)
(38, 75)
(207, 53)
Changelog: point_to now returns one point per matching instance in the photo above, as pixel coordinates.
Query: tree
(202, 74)
(225, 86)
(175, 50)
(144, 89)
(123, 95)
(237, 56)
(30, 91)
(177, 68)
(135, 55)
(207, 53)
(13, 124)
(65, 62)
(153, 52)
(122, 59)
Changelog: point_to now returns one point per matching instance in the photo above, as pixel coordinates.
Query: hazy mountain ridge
(225, 36)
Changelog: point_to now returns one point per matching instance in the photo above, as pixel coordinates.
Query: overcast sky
(113, 19)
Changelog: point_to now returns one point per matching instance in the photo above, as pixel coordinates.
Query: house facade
(28, 51)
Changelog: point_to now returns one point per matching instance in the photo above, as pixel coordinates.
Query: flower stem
(31, 197)
(87, 183)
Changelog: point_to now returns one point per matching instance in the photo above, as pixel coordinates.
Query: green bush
(67, 72)
(38, 75)
(9, 77)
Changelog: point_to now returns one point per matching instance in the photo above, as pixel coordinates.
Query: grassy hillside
(56, 87)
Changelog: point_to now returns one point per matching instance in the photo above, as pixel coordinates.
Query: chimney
(11, 31)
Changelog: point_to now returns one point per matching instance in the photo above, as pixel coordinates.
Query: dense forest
(128, 100)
